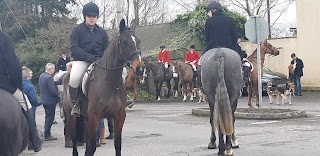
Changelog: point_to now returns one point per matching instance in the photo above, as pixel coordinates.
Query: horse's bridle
(127, 63)
(272, 49)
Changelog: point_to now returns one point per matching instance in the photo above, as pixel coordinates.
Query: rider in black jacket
(88, 42)
(220, 30)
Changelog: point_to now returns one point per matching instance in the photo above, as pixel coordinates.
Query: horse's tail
(222, 109)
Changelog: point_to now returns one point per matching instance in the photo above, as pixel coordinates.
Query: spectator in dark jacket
(298, 73)
(49, 98)
(220, 30)
(62, 62)
(29, 89)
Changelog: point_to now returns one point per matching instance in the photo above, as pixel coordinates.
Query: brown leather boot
(102, 135)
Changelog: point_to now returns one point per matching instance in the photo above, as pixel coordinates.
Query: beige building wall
(306, 45)
(308, 26)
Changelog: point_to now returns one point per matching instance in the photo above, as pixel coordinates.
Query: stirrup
(75, 111)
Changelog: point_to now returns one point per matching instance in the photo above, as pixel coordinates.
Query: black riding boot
(74, 92)
(34, 137)
(246, 74)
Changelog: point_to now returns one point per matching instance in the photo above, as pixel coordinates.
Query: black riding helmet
(213, 5)
(162, 46)
(90, 9)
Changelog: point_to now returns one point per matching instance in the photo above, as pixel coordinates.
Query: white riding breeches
(22, 101)
(77, 71)
(166, 65)
(193, 66)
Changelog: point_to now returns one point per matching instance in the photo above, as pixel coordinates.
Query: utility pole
(268, 14)
(104, 14)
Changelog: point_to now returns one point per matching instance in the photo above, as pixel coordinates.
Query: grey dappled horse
(222, 80)
(14, 131)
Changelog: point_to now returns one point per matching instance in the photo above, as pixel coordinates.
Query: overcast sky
(285, 22)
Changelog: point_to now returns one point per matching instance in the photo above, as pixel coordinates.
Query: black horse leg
(212, 144)
(157, 89)
(234, 141)
(228, 149)
(118, 125)
(71, 132)
(222, 146)
(175, 88)
(92, 128)
(169, 89)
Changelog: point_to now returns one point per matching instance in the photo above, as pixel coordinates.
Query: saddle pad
(248, 64)
(85, 78)
(174, 73)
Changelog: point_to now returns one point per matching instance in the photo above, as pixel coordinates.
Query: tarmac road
(169, 129)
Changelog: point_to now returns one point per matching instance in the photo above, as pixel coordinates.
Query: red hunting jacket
(164, 56)
(190, 57)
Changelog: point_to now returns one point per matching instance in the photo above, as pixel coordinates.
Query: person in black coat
(49, 98)
(220, 30)
(11, 81)
(243, 55)
(239, 50)
(88, 42)
(62, 62)
(298, 73)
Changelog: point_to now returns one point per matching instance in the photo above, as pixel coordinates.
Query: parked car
(277, 79)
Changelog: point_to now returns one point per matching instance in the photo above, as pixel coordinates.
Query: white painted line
(317, 115)
(264, 122)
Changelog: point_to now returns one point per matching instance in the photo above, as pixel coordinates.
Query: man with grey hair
(49, 98)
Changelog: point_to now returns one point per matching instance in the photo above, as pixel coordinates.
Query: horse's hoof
(130, 105)
(212, 145)
(235, 144)
(68, 145)
(228, 152)
(80, 143)
(251, 107)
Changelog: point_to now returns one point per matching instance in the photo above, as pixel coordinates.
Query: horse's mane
(113, 45)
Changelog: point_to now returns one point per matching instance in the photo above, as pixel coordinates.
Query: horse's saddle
(174, 72)
(194, 68)
(88, 75)
(248, 64)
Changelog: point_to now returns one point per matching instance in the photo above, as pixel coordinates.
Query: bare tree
(136, 9)
(261, 7)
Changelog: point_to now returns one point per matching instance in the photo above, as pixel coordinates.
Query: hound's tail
(222, 109)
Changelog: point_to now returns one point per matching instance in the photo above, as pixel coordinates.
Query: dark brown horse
(265, 48)
(106, 91)
(186, 76)
(14, 131)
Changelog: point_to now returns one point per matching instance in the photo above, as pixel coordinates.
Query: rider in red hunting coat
(192, 57)
(164, 57)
